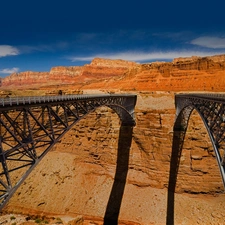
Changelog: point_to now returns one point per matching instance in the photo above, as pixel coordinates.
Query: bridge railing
(9, 101)
(38, 99)
(213, 96)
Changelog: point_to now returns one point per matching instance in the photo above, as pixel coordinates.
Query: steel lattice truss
(30, 126)
(211, 108)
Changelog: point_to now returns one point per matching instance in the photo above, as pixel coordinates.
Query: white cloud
(7, 50)
(9, 71)
(145, 56)
(209, 42)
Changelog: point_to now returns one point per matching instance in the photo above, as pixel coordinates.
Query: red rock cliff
(98, 70)
(182, 74)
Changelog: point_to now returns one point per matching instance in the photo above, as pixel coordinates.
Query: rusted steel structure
(31, 126)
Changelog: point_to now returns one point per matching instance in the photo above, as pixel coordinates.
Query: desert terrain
(77, 181)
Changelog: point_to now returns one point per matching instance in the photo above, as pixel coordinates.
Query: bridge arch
(211, 109)
(212, 112)
(30, 127)
(103, 193)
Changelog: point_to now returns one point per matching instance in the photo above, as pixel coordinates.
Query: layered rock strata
(181, 74)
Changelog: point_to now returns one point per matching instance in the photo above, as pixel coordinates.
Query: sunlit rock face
(97, 70)
(78, 176)
(23, 79)
(182, 74)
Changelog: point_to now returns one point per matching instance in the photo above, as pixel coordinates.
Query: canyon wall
(97, 70)
(182, 74)
(79, 176)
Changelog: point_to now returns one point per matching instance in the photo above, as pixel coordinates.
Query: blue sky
(37, 35)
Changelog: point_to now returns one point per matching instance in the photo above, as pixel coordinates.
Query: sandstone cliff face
(180, 75)
(98, 70)
(17, 80)
(64, 75)
(102, 69)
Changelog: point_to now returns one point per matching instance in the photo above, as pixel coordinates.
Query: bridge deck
(28, 100)
(212, 97)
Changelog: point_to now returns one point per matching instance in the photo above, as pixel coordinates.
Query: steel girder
(30, 126)
(211, 108)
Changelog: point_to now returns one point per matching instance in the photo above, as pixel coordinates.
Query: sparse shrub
(59, 221)
(12, 217)
(38, 220)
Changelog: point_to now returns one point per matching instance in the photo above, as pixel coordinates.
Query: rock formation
(179, 75)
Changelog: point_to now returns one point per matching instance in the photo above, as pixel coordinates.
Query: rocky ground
(189, 209)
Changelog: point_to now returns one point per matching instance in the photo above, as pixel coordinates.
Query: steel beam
(211, 108)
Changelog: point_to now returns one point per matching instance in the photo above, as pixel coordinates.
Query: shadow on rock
(180, 128)
(116, 195)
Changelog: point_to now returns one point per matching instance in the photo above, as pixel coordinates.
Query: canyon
(76, 178)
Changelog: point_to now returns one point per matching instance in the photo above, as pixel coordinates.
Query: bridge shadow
(177, 145)
(114, 203)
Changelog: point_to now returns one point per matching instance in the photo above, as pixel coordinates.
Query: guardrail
(37, 99)
(210, 96)
(10, 101)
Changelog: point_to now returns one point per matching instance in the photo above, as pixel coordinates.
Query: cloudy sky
(39, 34)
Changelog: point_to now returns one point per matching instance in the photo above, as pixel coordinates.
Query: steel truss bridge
(31, 126)
(211, 108)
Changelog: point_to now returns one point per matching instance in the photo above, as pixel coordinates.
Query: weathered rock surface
(182, 74)
(98, 70)
(77, 176)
